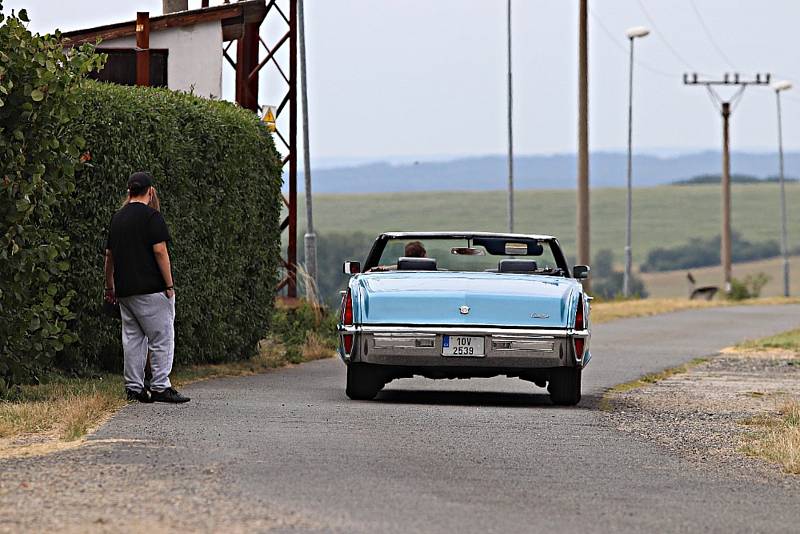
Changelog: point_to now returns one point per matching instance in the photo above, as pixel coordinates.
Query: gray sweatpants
(148, 322)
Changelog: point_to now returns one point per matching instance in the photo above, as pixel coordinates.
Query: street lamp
(778, 87)
(632, 34)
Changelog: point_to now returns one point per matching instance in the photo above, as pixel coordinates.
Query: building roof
(232, 16)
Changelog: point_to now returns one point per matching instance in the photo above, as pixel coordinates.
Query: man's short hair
(415, 249)
(139, 182)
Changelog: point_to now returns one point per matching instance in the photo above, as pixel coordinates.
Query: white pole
(510, 130)
(784, 236)
(310, 238)
(632, 34)
(626, 281)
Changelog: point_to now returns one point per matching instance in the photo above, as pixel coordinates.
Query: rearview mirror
(351, 267)
(467, 251)
(581, 272)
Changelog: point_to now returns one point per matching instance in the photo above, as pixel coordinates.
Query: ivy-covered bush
(218, 176)
(40, 96)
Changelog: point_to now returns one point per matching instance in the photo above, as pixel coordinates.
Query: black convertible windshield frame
(483, 238)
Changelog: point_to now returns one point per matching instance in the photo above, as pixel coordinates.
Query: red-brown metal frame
(248, 66)
(143, 48)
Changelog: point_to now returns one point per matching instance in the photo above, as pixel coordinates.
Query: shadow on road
(474, 398)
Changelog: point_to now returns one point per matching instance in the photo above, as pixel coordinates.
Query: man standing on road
(139, 277)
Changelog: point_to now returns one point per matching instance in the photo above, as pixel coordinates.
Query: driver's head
(415, 249)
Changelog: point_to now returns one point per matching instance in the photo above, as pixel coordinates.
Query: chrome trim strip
(421, 331)
(526, 343)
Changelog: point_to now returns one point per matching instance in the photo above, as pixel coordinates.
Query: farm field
(674, 284)
(663, 216)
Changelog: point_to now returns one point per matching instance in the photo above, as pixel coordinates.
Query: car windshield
(476, 254)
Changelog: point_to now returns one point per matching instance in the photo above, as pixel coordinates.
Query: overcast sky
(423, 78)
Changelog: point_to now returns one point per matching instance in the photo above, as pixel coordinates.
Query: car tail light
(347, 320)
(580, 320)
(580, 344)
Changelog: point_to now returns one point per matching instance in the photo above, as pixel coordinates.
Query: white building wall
(195, 56)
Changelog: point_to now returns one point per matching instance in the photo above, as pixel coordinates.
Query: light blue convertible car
(462, 305)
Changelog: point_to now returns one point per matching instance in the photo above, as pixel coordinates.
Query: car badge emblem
(464, 310)
(539, 316)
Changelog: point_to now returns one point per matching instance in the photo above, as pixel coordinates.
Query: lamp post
(510, 199)
(778, 87)
(632, 33)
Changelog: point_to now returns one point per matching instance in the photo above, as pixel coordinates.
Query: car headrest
(517, 266)
(416, 264)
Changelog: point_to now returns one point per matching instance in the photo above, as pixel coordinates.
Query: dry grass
(603, 312)
(777, 439)
(674, 284)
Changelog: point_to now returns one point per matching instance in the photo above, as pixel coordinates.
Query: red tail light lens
(347, 310)
(580, 322)
(580, 344)
(347, 320)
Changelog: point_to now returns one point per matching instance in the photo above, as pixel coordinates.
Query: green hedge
(218, 176)
(39, 154)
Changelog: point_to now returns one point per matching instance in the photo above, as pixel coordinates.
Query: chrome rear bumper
(414, 346)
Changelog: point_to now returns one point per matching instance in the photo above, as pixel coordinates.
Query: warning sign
(268, 116)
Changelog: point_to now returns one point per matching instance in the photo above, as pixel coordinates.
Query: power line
(660, 34)
(624, 50)
(710, 37)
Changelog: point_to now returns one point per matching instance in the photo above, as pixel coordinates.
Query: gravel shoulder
(706, 413)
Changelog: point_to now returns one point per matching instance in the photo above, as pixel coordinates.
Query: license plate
(462, 346)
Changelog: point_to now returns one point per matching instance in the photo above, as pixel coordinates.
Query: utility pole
(583, 139)
(510, 129)
(778, 87)
(726, 107)
(310, 238)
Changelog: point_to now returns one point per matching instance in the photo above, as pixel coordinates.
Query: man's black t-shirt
(134, 230)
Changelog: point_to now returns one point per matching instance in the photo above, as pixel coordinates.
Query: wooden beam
(127, 29)
(143, 48)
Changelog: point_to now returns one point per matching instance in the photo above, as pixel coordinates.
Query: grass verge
(603, 312)
(777, 439)
(784, 341)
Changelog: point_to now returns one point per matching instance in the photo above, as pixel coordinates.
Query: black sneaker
(140, 396)
(168, 395)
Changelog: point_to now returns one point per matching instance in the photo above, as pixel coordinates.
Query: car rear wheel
(363, 381)
(565, 386)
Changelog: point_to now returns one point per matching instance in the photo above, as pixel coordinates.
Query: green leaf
(23, 15)
(37, 95)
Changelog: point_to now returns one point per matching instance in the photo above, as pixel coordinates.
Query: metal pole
(291, 249)
(510, 130)
(784, 236)
(626, 281)
(725, 244)
(583, 140)
(310, 238)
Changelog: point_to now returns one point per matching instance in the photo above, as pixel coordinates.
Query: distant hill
(486, 173)
(735, 179)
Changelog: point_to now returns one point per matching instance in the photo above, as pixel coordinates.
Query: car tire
(363, 381)
(565, 386)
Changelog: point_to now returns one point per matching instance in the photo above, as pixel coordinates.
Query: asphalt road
(287, 450)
